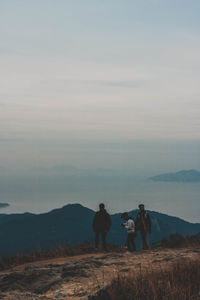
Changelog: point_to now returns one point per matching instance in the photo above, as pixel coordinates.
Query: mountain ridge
(71, 225)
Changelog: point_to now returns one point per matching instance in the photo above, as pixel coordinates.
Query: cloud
(108, 83)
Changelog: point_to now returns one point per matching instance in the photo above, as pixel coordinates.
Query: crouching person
(130, 227)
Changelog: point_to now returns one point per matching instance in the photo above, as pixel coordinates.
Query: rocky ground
(81, 276)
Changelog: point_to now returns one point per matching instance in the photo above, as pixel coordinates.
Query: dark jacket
(102, 221)
(143, 221)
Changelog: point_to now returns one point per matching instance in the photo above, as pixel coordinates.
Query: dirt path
(80, 276)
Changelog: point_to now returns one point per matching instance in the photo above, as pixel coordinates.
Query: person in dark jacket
(101, 225)
(143, 224)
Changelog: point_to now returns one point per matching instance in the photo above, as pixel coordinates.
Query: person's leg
(128, 242)
(103, 236)
(132, 241)
(147, 241)
(96, 239)
(142, 239)
(145, 244)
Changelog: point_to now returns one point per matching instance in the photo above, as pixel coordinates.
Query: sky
(99, 85)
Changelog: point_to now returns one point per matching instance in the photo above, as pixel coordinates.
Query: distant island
(181, 176)
(3, 205)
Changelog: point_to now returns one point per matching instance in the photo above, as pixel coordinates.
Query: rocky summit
(83, 276)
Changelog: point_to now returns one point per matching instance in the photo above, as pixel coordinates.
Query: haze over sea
(121, 184)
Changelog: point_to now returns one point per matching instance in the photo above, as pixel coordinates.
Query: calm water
(118, 193)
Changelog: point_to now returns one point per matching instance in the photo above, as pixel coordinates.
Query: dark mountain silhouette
(181, 176)
(71, 225)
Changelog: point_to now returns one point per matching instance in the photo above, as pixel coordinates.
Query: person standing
(130, 227)
(143, 224)
(101, 225)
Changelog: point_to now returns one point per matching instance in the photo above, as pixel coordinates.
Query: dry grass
(181, 282)
(178, 241)
(84, 248)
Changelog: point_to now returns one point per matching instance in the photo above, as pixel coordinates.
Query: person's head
(141, 206)
(125, 216)
(101, 206)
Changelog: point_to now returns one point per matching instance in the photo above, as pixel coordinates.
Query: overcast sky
(93, 84)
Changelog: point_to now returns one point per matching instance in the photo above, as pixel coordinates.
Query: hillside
(81, 276)
(70, 225)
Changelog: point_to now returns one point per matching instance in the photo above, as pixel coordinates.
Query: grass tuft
(180, 282)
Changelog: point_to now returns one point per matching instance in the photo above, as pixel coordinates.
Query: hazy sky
(99, 84)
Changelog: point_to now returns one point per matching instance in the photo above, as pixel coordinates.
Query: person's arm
(137, 225)
(109, 222)
(127, 225)
(94, 222)
(124, 224)
(149, 222)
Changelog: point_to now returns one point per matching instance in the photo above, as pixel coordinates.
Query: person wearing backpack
(101, 225)
(131, 232)
(143, 224)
